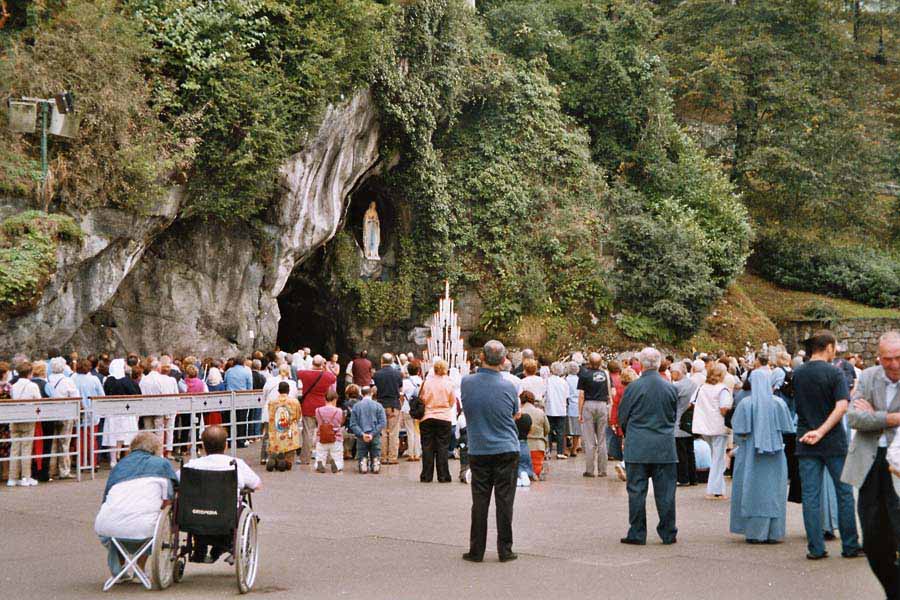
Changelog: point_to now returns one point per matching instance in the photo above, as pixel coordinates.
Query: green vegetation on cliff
(28, 244)
(542, 147)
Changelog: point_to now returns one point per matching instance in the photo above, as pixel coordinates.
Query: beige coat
(540, 427)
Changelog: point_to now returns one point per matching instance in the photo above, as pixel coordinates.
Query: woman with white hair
(711, 402)
(63, 387)
(555, 402)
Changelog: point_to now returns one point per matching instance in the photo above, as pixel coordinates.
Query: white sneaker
(363, 466)
(526, 480)
(11, 483)
(620, 472)
(469, 476)
(28, 482)
(376, 466)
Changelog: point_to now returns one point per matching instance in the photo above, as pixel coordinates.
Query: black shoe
(670, 542)
(588, 475)
(632, 542)
(858, 553)
(508, 557)
(755, 542)
(817, 556)
(468, 556)
(829, 536)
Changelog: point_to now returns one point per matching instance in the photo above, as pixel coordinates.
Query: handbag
(686, 422)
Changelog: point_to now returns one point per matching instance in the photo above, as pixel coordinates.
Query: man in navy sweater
(647, 416)
(490, 407)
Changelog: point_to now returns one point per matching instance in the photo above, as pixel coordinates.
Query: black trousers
(435, 449)
(687, 465)
(795, 491)
(663, 476)
(497, 473)
(879, 514)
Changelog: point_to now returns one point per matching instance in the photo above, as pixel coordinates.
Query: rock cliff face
(153, 283)
(87, 276)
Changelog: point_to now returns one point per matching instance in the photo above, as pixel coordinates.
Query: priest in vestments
(759, 485)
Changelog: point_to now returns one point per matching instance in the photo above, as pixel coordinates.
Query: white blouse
(708, 419)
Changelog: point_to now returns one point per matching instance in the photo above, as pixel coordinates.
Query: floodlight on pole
(64, 123)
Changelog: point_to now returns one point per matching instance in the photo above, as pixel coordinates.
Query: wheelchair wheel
(246, 551)
(178, 572)
(165, 548)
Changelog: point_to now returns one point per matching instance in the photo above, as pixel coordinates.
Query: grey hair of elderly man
(494, 353)
(506, 365)
(650, 358)
(678, 367)
(387, 358)
(148, 442)
(527, 353)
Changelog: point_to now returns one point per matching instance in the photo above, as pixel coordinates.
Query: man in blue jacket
(647, 416)
(367, 420)
(490, 407)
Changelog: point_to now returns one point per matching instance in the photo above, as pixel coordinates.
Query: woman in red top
(614, 432)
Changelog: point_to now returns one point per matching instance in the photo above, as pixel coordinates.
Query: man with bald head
(647, 416)
(595, 392)
(490, 406)
(314, 383)
(215, 443)
(388, 382)
(875, 415)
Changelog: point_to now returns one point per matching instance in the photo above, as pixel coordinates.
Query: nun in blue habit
(759, 485)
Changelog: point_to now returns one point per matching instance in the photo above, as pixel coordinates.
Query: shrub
(863, 275)
(661, 267)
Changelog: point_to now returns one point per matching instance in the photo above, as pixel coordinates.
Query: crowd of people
(778, 425)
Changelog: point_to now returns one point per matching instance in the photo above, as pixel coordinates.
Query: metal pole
(77, 441)
(44, 110)
(233, 427)
(193, 430)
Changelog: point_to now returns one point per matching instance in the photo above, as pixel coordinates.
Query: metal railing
(45, 411)
(177, 419)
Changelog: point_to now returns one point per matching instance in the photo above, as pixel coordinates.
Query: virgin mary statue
(371, 233)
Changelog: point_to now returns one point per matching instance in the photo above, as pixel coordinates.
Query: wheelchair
(205, 511)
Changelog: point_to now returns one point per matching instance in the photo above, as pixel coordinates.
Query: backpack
(326, 433)
(787, 388)
(416, 406)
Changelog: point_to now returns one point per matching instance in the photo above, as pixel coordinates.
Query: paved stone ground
(388, 536)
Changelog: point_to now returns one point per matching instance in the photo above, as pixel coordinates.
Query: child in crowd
(367, 419)
(526, 472)
(351, 393)
(329, 438)
(538, 434)
(284, 430)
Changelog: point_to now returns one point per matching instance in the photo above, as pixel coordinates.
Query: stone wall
(859, 336)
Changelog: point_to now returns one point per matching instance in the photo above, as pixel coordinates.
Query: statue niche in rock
(371, 233)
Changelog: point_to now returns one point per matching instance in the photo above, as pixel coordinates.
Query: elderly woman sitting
(134, 495)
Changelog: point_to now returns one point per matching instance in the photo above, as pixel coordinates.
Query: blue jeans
(368, 450)
(525, 459)
(811, 468)
(613, 444)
